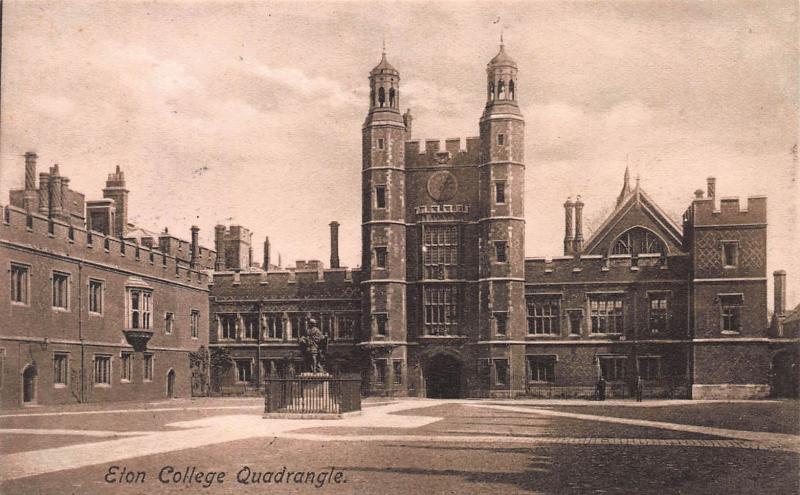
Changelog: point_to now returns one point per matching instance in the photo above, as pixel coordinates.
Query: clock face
(442, 186)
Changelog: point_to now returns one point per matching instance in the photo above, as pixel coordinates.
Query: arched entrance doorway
(171, 384)
(785, 375)
(29, 384)
(443, 377)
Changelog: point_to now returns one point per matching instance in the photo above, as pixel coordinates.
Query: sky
(251, 113)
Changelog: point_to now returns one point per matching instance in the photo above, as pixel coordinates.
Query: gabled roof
(629, 199)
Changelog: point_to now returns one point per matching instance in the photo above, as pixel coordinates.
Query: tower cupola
(384, 87)
(501, 83)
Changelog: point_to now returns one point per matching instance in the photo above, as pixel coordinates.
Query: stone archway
(443, 373)
(785, 374)
(29, 384)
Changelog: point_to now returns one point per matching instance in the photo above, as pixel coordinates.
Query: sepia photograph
(399, 247)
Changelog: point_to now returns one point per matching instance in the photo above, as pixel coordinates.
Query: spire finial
(501, 38)
(384, 44)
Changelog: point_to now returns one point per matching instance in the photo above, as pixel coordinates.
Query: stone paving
(399, 422)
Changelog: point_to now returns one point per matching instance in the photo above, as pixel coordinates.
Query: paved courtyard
(405, 446)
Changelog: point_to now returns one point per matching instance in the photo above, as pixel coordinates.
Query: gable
(641, 213)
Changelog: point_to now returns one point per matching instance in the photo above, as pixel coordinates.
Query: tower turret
(384, 229)
(502, 315)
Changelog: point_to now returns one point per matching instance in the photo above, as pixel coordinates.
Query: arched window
(491, 90)
(638, 241)
(372, 97)
(501, 90)
(381, 97)
(391, 97)
(511, 89)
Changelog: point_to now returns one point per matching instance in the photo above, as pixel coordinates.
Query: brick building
(447, 305)
(91, 307)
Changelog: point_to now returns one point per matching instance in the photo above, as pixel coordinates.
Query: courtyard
(404, 446)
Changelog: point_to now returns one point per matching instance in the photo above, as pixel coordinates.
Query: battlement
(62, 239)
(335, 282)
(595, 268)
(702, 212)
(434, 156)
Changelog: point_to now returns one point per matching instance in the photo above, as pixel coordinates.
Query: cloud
(312, 89)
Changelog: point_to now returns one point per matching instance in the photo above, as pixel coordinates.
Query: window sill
(102, 385)
(730, 332)
(20, 304)
(146, 380)
(60, 310)
(59, 385)
(95, 314)
(124, 381)
(542, 335)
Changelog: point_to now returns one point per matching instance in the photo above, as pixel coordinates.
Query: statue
(313, 345)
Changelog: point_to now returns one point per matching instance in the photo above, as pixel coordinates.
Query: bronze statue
(313, 345)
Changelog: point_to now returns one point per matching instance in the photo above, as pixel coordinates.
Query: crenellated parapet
(340, 283)
(434, 156)
(617, 268)
(28, 230)
(731, 212)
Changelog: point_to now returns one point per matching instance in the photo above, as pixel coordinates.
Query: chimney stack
(334, 244)
(698, 194)
(115, 189)
(56, 196)
(407, 121)
(219, 245)
(195, 245)
(30, 171)
(44, 194)
(578, 246)
(568, 235)
(779, 290)
(711, 189)
(266, 253)
(29, 196)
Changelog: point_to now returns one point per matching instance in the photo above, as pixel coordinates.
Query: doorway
(29, 385)
(443, 377)
(171, 384)
(785, 375)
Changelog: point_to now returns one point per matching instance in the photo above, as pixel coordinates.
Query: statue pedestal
(312, 394)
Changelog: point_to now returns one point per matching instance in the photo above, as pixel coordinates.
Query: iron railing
(667, 387)
(312, 394)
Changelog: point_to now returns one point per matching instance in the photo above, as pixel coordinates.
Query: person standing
(639, 388)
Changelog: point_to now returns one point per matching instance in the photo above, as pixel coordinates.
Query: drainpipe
(82, 395)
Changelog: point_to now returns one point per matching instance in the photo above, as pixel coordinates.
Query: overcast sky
(251, 113)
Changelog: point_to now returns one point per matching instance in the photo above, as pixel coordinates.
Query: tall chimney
(334, 244)
(578, 246)
(711, 190)
(407, 121)
(195, 245)
(568, 235)
(29, 196)
(44, 194)
(115, 189)
(219, 244)
(56, 196)
(266, 253)
(30, 171)
(779, 291)
(65, 210)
